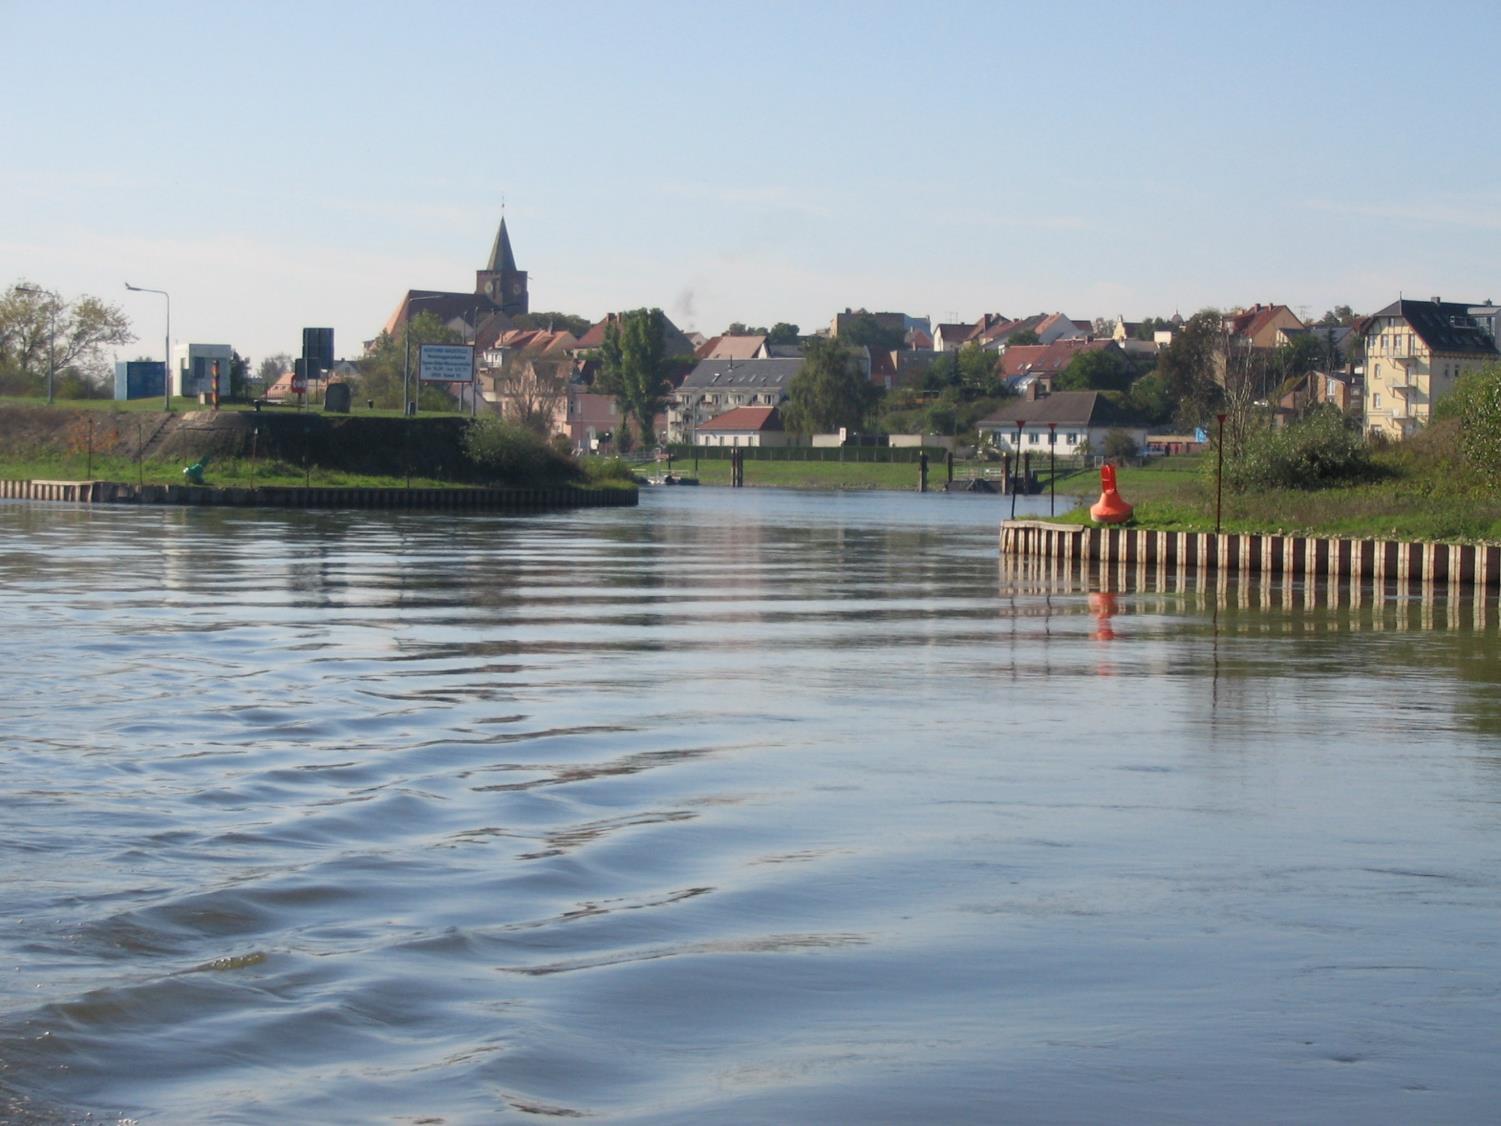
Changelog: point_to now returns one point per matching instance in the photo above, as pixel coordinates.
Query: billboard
(447, 363)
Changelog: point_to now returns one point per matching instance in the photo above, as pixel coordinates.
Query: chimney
(1438, 300)
(1031, 395)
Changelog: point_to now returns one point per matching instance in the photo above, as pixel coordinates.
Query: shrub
(510, 454)
(1476, 402)
(607, 471)
(1318, 450)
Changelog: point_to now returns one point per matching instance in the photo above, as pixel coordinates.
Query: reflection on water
(739, 806)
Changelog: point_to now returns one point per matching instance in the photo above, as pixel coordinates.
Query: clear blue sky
(275, 165)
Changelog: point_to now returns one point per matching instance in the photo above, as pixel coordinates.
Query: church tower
(500, 280)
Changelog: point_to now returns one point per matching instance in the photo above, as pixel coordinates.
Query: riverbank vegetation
(1318, 477)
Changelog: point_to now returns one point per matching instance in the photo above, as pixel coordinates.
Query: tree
(1096, 369)
(239, 374)
(553, 322)
(1119, 444)
(1023, 336)
(37, 323)
(634, 368)
(1149, 400)
(532, 388)
(829, 391)
(1190, 368)
(1339, 315)
(381, 368)
(782, 333)
(738, 329)
(861, 330)
(271, 368)
(977, 371)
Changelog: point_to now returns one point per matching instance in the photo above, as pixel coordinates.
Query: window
(1376, 402)
(1033, 438)
(1071, 439)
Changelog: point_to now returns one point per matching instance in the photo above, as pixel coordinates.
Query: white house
(1076, 418)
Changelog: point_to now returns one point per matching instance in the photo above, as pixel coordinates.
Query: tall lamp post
(51, 332)
(406, 333)
(1052, 469)
(167, 351)
(1016, 465)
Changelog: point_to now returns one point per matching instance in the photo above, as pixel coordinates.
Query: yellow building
(1415, 350)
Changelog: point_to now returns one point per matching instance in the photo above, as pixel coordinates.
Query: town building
(1415, 351)
(716, 386)
(1080, 419)
(744, 426)
(500, 293)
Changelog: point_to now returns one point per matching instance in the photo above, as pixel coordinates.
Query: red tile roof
(745, 418)
(1047, 359)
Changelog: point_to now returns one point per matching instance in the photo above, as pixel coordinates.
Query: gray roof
(742, 373)
(501, 258)
(1445, 326)
(1068, 408)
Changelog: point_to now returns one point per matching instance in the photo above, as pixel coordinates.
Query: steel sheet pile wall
(1403, 562)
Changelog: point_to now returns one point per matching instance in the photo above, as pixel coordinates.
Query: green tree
(239, 375)
(1339, 315)
(381, 368)
(738, 329)
(978, 369)
(863, 331)
(829, 391)
(634, 368)
(1099, 369)
(1149, 400)
(269, 370)
(1476, 402)
(1190, 368)
(37, 323)
(782, 333)
(553, 322)
(1022, 337)
(1119, 444)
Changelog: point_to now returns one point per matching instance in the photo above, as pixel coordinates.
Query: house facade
(1080, 419)
(744, 426)
(714, 387)
(1415, 351)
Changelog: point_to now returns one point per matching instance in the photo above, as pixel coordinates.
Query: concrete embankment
(1408, 564)
(280, 496)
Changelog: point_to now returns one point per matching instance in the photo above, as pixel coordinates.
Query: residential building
(727, 347)
(676, 344)
(1039, 364)
(1081, 420)
(1260, 326)
(716, 386)
(744, 426)
(1415, 351)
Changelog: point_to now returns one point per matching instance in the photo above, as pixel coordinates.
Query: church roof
(501, 258)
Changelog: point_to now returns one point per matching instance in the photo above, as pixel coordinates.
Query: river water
(742, 806)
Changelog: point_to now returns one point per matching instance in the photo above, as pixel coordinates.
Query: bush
(1476, 402)
(1318, 450)
(608, 471)
(510, 454)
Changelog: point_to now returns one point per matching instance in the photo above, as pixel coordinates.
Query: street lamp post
(51, 333)
(406, 333)
(1052, 469)
(167, 350)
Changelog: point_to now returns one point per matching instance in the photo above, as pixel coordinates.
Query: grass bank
(1423, 492)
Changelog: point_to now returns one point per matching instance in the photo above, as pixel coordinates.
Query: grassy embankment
(279, 447)
(1422, 490)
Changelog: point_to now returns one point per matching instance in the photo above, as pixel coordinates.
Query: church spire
(501, 258)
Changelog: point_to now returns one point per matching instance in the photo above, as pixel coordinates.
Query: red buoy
(1110, 508)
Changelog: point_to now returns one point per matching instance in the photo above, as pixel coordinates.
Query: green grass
(1425, 494)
